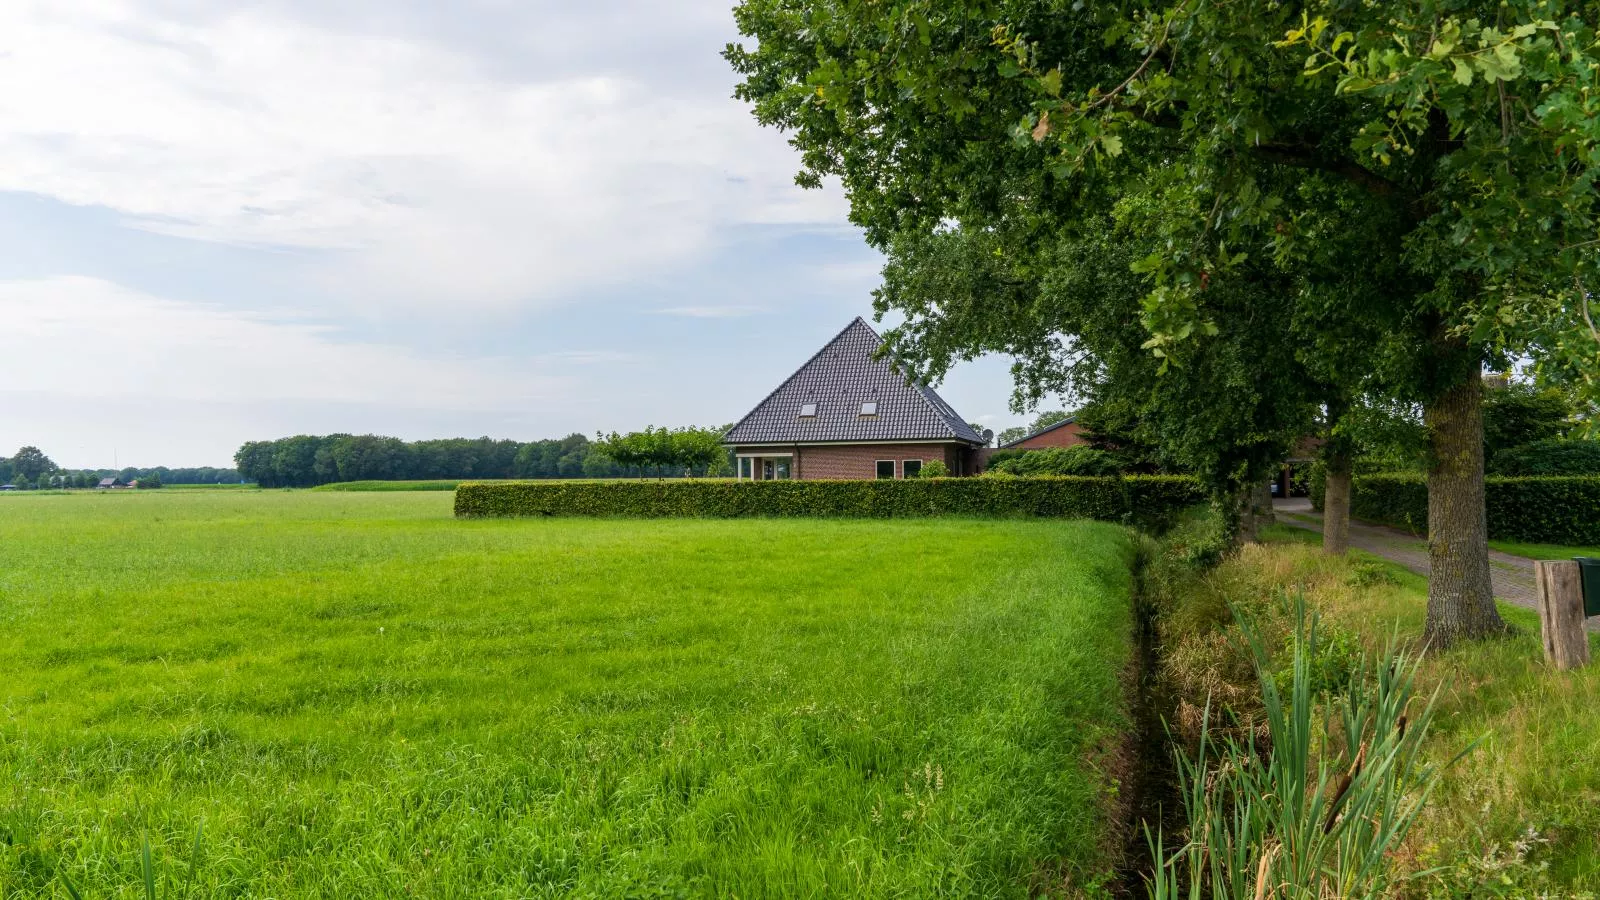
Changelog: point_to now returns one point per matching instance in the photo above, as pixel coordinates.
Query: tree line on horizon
(30, 468)
(309, 460)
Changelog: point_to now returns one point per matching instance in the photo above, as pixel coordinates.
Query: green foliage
(673, 450)
(1149, 501)
(1368, 574)
(1079, 460)
(360, 696)
(1552, 457)
(31, 463)
(1317, 488)
(149, 482)
(446, 484)
(934, 468)
(1321, 806)
(1000, 456)
(309, 460)
(1518, 413)
(1535, 510)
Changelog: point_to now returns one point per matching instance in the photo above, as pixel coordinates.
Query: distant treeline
(309, 460)
(162, 474)
(31, 468)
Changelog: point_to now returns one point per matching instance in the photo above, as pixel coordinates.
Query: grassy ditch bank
(1516, 816)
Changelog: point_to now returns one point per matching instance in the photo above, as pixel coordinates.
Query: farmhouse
(1065, 433)
(847, 413)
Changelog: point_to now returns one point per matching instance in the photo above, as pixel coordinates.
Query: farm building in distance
(848, 414)
(1065, 433)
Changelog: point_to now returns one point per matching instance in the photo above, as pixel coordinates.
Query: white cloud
(81, 339)
(712, 312)
(428, 179)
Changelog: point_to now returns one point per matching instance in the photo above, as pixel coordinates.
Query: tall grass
(1314, 801)
(361, 696)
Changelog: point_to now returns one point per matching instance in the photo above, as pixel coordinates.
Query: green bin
(1589, 573)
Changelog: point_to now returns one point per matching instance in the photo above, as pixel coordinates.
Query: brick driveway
(1513, 575)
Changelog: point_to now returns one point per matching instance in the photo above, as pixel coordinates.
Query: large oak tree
(1422, 172)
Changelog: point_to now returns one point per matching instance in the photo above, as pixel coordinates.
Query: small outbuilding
(1065, 433)
(849, 414)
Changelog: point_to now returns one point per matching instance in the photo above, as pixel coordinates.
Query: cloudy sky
(231, 221)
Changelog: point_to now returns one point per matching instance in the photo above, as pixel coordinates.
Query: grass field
(353, 694)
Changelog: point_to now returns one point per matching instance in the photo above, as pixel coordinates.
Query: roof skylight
(808, 410)
(869, 408)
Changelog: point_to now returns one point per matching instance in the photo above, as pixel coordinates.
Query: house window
(885, 468)
(808, 410)
(870, 408)
(911, 467)
(746, 467)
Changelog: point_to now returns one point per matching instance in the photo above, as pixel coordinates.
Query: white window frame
(920, 463)
(894, 472)
(741, 457)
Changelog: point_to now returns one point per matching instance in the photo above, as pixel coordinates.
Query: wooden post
(1566, 644)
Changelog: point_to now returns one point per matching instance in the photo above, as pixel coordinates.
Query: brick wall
(1066, 436)
(858, 461)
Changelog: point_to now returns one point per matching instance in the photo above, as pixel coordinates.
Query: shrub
(934, 468)
(1536, 510)
(1151, 502)
(1000, 456)
(1080, 460)
(1553, 457)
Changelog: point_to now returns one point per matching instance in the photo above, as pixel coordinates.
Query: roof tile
(841, 376)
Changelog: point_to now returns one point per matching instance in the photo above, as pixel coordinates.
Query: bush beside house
(1079, 460)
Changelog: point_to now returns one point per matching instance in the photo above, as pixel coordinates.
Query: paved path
(1513, 575)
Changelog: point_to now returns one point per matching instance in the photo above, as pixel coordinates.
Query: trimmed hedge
(1549, 459)
(1534, 510)
(1152, 502)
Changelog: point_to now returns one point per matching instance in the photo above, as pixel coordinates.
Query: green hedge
(1535, 510)
(1148, 501)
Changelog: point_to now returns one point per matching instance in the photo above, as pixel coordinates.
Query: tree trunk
(1336, 504)
(1261, 500)
(1460, 592)
(1242, 501)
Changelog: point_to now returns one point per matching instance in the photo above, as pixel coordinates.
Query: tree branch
(1306, 158)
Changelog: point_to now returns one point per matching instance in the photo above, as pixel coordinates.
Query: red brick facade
(860, 461)
(1068, 435)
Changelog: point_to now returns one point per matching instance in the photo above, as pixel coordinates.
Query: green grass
(1543, 551)
(350, 694)
(359, 486)
(1520, 816)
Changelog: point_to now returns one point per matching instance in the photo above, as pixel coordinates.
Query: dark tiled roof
(1045, 430)
(838, 379)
